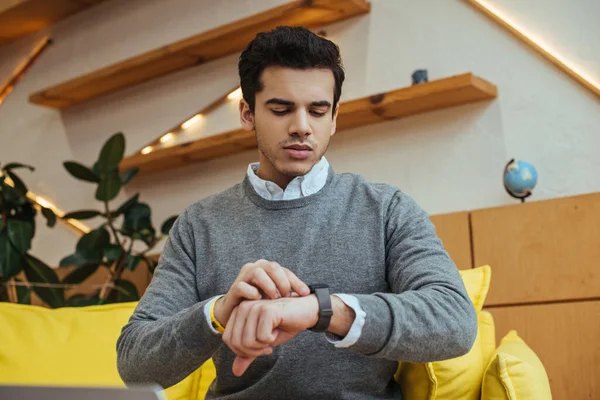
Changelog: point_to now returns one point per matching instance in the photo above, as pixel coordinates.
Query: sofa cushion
(457, 378)
(515, 373)
(69, 346)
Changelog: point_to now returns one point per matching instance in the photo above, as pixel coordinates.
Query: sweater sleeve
(168, 336)
(428, 315)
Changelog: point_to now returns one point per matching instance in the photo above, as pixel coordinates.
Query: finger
(244, 290)
(296, 283)
(238, 329)
(237, 334)
(278, 275)
(266, 326)
(249, 339)
(241, 364)
(263, 281)
(229, 327)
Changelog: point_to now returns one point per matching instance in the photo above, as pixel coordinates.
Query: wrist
(219, 311)
(343, 317)
(313, 306)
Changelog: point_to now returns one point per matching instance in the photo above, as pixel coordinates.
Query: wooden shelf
(434, 95)
(22, 17)
(206, 46)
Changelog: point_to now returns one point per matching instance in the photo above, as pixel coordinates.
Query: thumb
(241, 364)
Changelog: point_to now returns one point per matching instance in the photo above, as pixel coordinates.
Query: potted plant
(111, 245)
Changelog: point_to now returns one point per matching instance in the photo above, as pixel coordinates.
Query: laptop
(39, 392)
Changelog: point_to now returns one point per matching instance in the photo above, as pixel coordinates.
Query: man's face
(293, 121)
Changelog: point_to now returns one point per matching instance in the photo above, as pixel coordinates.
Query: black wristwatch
(325, 309)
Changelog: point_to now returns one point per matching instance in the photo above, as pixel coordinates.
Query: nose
(300, 124)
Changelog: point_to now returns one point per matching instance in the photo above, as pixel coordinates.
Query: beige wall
(448, 160)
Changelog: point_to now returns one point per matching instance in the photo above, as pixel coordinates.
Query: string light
(235, 95)
(196, 118)
(167, 137)
(200, 116)
(43, 202)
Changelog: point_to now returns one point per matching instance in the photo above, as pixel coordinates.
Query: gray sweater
(365, 239)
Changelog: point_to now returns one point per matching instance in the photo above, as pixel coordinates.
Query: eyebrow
(320, 103)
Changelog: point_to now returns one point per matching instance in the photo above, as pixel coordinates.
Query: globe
(520, 177)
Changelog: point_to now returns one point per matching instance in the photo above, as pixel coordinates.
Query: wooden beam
(200, 48)
(434, 95)
(20, 71)
(19, 18)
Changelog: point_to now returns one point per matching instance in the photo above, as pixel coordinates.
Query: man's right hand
(258, 280)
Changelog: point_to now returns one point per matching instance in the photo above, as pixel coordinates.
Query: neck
(267, 172)
(273, 176)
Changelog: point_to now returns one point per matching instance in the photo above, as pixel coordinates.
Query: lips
(298, 151)
(298, 147)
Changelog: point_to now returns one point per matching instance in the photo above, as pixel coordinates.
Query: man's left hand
(256, 327)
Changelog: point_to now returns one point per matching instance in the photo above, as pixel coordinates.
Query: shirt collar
(300, 186)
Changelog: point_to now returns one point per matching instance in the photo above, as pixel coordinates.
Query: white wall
(448, 160)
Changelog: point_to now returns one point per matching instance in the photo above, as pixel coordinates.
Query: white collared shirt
(302, 186)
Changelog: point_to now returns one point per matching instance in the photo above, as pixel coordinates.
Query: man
(233, 278)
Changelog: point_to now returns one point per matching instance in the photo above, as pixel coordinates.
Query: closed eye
(280, 112)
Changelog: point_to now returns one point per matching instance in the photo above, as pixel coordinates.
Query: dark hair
(291, 47)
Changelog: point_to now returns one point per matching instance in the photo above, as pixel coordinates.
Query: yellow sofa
(77, 346)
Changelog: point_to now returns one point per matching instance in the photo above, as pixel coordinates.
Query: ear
(246, 116)
(335, 115)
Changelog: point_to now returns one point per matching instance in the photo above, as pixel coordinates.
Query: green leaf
(20, 234)
(147, 235)
(112, 252)
(83, 300)
(132, 262)
(168, 224)
(18, 165)
(25, 212)
(10, 258)
(128, 204)
(74, 259)
(11, 197)
(91, 245)
(137, 217)
(38, 272)
(50, 216)
(124, 291)
(82, 214)
(109, 187)
(81, 172)
(19, 185)
(128, 175)
(23, 293)
(112, 153)
(80, 274)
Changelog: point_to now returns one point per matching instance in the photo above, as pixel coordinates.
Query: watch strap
(325, 307)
